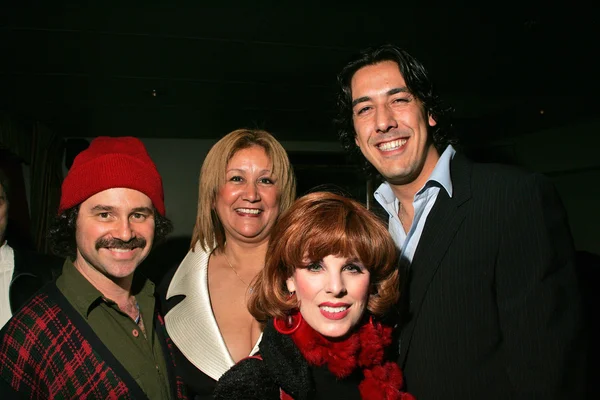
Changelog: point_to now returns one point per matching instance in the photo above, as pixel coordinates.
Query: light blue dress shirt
(423, 203)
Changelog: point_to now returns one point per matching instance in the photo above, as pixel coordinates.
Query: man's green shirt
(141, 356)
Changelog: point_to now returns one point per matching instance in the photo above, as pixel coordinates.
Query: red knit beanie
(112, 162)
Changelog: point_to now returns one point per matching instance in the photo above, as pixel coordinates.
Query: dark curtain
(15, 136)
(18, 231)
(42, 150)
(46, 179)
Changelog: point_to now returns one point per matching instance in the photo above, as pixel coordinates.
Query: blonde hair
(208, 230)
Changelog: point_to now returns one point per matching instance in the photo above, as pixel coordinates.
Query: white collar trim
(191, 324)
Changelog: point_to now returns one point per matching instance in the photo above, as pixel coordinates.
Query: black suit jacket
(493, 309)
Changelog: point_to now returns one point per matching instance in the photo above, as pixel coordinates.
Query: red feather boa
(363, 349)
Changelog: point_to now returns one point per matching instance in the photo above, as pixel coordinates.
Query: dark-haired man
(492, 308)
(22, 270)
(95, 333)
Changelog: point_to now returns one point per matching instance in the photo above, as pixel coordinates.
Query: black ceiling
(165, 69)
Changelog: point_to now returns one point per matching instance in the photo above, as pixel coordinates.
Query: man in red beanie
(95, 332)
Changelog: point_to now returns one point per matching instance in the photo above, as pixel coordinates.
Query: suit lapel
(441, 226)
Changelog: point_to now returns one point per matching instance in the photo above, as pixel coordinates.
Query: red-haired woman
(330, 275)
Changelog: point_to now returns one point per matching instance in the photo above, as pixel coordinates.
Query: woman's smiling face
(332, 294)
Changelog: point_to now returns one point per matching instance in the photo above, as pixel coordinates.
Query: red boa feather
(363, 349)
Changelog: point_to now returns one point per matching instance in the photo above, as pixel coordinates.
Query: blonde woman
(246, 182)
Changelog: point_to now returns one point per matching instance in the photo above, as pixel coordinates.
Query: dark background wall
(180, 75)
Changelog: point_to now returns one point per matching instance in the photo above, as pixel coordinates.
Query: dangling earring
(288, 324)
(291, 322)
(290, 318)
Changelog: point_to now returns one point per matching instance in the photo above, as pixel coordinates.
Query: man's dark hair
(417, 81)
(62, 231)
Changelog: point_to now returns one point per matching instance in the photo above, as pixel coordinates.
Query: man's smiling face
(391, 124)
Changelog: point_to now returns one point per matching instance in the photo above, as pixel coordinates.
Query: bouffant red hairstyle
(315, 226)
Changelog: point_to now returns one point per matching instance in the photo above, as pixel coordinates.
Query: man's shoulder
(498, 174)
(32, 328)
(482, 167)
(41, 307)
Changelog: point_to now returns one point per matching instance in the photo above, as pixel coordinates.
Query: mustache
(115, 243)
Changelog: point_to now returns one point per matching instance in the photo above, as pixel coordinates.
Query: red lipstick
(334, 315)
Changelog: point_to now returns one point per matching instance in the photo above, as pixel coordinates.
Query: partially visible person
(492, 307)
(96, 332)
(329, 278)
(246, 181)
(22, 271)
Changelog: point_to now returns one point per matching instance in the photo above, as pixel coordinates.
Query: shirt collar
(84, 296)
(440, 174)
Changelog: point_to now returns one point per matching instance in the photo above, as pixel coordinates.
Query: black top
(199, 385)
(283, 366)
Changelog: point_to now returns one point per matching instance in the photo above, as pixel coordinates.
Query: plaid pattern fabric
(179, 384)
(43, 355)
